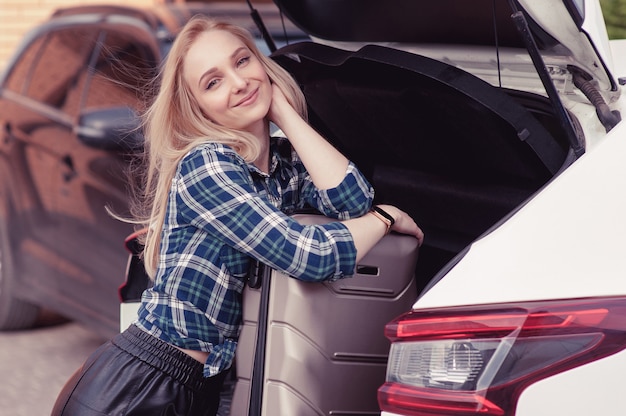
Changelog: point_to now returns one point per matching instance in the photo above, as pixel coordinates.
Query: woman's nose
(238, 82)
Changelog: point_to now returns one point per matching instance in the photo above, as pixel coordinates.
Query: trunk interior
(450, 149)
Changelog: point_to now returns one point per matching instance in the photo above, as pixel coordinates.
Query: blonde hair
(174, 124)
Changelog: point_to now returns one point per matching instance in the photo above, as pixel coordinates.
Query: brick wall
(18, 16)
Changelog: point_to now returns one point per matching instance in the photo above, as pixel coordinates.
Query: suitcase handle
(262, 278)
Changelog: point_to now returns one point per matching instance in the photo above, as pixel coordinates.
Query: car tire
(15, 313)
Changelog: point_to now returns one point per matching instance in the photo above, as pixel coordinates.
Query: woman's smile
(248, 99)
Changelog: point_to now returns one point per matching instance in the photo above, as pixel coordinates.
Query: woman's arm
(326, 165)
(215, 193)
(327, 168)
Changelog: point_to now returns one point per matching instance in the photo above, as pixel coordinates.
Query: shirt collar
(280, 157)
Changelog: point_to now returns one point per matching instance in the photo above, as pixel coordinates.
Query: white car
(531, 319)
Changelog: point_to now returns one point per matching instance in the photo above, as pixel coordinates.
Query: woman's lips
(248, 99)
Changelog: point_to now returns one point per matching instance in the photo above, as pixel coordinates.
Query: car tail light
(477, 360)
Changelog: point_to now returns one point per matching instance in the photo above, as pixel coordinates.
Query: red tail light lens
(477, 360)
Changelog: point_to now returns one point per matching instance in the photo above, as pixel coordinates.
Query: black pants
(137, 374)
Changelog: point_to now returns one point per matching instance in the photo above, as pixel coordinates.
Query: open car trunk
(450, 149)
(445, 146)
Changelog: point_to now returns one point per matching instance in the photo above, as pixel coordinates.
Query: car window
(50, 67)
(119, 73)
(16, 80)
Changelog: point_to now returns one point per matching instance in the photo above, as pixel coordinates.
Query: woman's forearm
(369, 229)
(326, 165)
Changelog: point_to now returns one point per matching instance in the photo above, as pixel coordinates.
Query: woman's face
(228, 81)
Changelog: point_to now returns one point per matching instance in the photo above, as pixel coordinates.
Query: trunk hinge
(608, 118)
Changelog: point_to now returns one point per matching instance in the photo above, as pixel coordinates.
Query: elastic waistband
(166, 358)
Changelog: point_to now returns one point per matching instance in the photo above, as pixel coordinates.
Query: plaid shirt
(222, 212)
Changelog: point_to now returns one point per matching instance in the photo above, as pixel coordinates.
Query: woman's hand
(280, 108)
(368, 229)
(403, 224)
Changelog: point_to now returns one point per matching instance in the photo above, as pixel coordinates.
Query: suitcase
(321, 348)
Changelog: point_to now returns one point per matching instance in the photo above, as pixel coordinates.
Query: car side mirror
(113, 128)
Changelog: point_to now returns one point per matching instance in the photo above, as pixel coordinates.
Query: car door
(38, 106)
(68, 249)
(97, 176)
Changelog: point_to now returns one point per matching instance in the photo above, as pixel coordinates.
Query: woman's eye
(243, 61)
(211, 84)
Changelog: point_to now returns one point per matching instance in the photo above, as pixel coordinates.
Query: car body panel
(594, 388)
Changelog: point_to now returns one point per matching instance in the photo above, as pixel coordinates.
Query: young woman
(219, 192)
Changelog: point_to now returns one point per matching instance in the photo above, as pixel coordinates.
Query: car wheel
(14, 313)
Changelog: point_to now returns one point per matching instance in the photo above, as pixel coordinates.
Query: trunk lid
(560, 28)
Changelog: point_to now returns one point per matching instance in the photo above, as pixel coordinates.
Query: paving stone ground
(35, 364)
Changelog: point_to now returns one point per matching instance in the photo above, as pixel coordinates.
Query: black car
(68, 104)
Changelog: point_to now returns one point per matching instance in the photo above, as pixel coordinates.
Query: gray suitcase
(325, 352)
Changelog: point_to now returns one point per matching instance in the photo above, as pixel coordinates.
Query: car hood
(568, 32)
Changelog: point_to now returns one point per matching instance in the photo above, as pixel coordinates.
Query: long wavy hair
(174, 124)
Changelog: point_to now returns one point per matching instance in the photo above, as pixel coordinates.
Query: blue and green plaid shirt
(222, 213)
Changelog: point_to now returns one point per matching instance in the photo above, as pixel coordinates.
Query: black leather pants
(136, 374)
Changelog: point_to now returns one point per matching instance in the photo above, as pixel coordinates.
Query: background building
(19, 16)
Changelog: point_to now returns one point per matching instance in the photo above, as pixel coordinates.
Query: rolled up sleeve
(351, 198)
